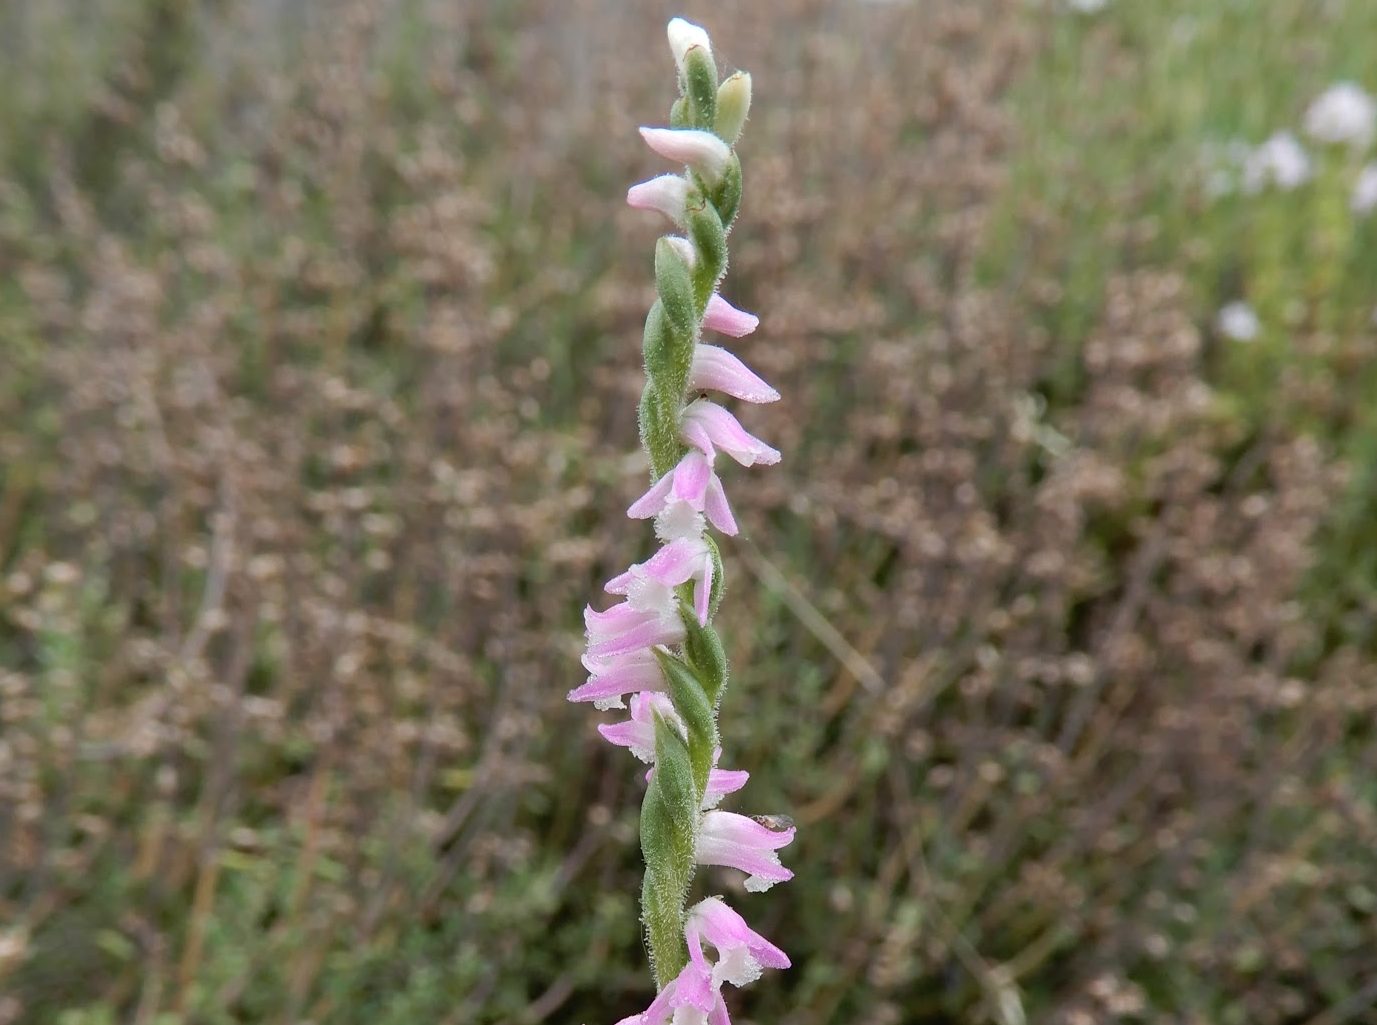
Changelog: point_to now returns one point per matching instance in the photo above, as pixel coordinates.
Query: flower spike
(657, 649)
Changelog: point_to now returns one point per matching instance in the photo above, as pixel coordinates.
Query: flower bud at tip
(683, 36)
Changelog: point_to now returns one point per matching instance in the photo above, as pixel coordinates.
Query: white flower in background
(1365, 191)
(1238, 321)
(1343, 113)
(1087, 6)
(1280, 161)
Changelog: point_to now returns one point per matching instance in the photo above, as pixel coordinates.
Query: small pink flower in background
(724, 318)
(735, 841)
(702, 151)
(637, 734)
(708, 427)
(716, 369)
(741, 952)
(668, 194)
(693, 482)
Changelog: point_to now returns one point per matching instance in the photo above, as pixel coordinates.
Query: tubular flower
(741, 952)
(716, 369)
(682, 1001)
(736, 841)
(726, 319)
(658, 649)
(721, 782)
(694, 483)
(645, 619)
(682, 560)
(637, 734)
(668, 194)
(708, 427)
(702, 151)
(614, 676)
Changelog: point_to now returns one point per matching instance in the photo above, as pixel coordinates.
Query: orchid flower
(637, 734)
(736, 841)
(724, 318)
(741, 952)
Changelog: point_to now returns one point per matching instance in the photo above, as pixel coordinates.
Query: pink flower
(645, 619)
(682, 560)
(638, 733)
(720, 782)
(723, 317)
(708, 427)
(702, 151)
(668, 194)
(688, 999)
(612, 676)
(716, 369)
(693, 482)
(741, 952)
(736, 841)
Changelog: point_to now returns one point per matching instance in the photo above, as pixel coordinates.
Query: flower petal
(702, 151)
(716, 369)
(724, 318)
(667, 194)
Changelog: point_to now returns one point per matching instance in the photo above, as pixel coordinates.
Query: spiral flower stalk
(658, 649)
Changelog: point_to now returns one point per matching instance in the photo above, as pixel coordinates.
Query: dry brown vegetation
(316, 430)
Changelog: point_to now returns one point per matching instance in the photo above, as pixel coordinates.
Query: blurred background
(1054, 631)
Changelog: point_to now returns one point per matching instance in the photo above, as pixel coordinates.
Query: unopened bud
(733, 106)
(683, 36)
(684, 248)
